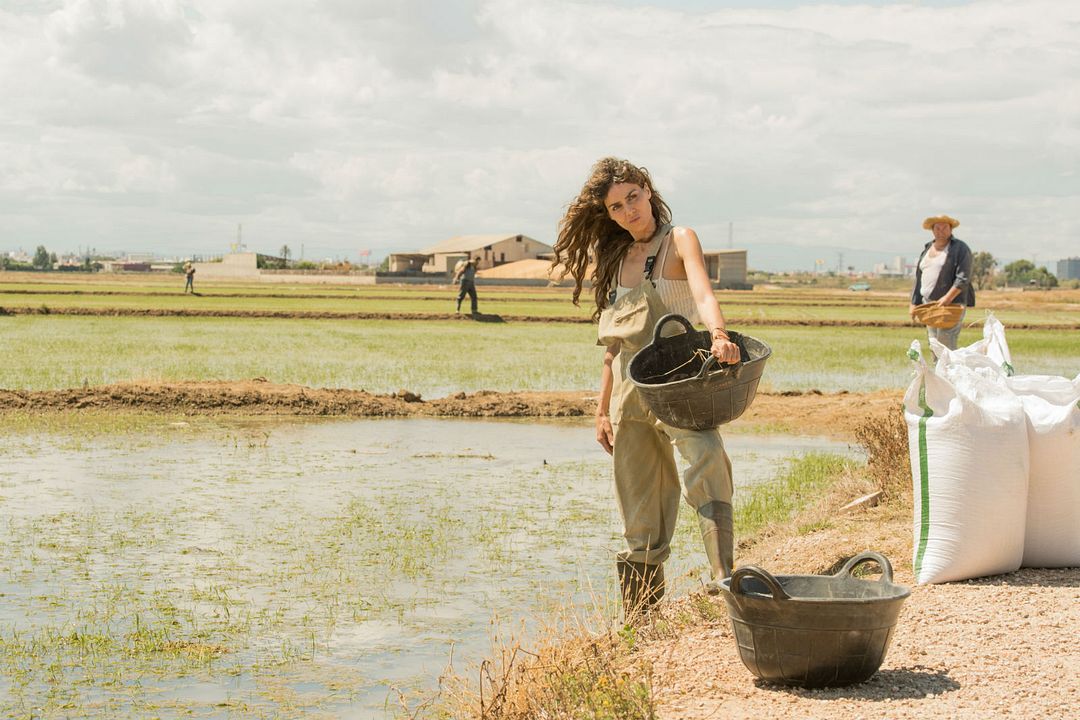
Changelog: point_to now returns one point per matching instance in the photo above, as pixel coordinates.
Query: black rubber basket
(814, 630)
(686, 387)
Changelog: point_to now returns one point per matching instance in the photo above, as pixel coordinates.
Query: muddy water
(270, 568)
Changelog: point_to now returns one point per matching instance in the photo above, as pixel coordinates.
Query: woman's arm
(688, 248)
(605, 435)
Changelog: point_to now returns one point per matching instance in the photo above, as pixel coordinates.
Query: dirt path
(832, 414)
(484, 317)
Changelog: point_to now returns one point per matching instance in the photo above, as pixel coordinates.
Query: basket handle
(711, 363)
(669, 318)
(761, 574)
(865, 557)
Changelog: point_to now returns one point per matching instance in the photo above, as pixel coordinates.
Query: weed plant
(885, 438)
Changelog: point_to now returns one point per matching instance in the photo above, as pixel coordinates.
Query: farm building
(727, 268)
(493, 250)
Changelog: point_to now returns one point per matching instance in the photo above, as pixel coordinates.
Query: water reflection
(332, 561)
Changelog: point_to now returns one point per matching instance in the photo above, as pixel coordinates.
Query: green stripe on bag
(924, 481)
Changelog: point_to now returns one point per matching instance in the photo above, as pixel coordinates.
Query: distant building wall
(1068, 269)
(727, 268)
(314, 279)
(406, 262)
(234, 265)
(507, 250)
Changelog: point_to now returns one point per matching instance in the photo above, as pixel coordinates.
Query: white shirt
(930, 266)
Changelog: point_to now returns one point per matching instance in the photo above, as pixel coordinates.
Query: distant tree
(1024, 272)
(1019, 272)
(1044, 278)
(41, 260)
(982, 270)
(285, 253)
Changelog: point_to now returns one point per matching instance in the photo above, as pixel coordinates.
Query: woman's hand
(604, 433)
(725, 351)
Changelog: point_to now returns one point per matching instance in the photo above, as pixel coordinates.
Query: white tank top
(676, 294)
(931, 267)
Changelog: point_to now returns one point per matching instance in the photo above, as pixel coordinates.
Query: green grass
(777, 502)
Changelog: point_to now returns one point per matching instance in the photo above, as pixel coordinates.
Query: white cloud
(405, 123)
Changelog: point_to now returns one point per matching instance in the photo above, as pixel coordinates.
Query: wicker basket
(685, 387)
(938, 316)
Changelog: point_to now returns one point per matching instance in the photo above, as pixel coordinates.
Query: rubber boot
(642, 587)
(718, 534)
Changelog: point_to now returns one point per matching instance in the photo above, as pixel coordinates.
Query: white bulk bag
(969, 464)
(991, 351)
(1052, 537)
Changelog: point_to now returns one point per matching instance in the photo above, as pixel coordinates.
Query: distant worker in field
(465, 275)
(943, 277)
(645, 267)
(189, 273)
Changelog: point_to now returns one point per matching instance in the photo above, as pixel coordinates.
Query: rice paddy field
(180, 566)
(383, 338)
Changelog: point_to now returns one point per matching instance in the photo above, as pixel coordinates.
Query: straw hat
(930, 222)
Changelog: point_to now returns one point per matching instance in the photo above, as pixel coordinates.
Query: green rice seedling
(438, 358)
(433, 359)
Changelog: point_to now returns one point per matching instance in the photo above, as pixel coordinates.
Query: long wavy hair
(587, 232)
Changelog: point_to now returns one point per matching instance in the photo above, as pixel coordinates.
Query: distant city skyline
(817, 128)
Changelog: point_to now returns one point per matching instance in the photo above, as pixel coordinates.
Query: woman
(943, 275)
(645, 268)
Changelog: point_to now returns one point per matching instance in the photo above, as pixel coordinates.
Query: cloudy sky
(799, 130)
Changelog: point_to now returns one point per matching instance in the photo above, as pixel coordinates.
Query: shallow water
(273, 568)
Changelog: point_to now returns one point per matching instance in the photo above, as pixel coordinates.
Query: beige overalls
(646, 478)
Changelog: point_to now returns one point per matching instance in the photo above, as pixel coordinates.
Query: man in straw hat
(943, 276)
